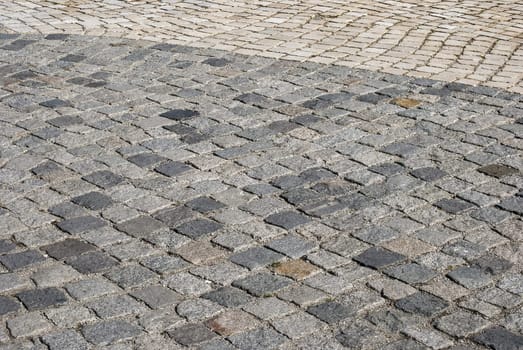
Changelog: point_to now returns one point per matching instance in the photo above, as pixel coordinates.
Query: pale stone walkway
(475, 42)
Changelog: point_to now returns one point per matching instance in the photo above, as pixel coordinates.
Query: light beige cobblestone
(466, 41)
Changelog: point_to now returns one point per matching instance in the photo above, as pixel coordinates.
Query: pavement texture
(161, 196)
(452, 40)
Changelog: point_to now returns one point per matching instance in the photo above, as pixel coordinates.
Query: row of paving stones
(156, 196)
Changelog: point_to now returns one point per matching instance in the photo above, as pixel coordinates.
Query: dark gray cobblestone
(160, 196)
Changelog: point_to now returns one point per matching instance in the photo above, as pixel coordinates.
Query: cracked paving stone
(21, 260)
(492, 264)
(470, 277)
(498, 170)
(67, 248)
(262, 284)
(330, 312)
(104, 179)
(107, 332)
(287, 220)
(191, 334)
(42, 298)
(379, 258)
(499, 338)
(91, 262)
(81, 224)
(198, 228)
(422, 303)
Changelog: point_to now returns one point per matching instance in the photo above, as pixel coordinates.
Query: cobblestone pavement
(451, 40)
(157, 196)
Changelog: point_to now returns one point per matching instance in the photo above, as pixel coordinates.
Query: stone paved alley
(261, 175)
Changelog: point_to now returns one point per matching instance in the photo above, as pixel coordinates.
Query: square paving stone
(287, 220)
(204, 204)
(498, 170)
(145, 160)
(67, 248)
(116, 306)
(93, 201)
(108, 332)
(228, 297)
(198, 228)
(68, 339)
(232, 322)
(296, 269)
(292, 246)
(461, 323)
(428, 174)
(470, 277)
(192, 334)
(453, 206)
(499, 338)
(41, 298)
(157, 296)
(260, 338)
(387, 169)
(55, 103)
(8, 305)
(68, 210)
(28, 325)
(104, 179)
(262, 284)
(297, 325)
(411, 273)
(81, 224)
(330, 312)
(20, 260)
(6, 246)
(172, 169)
(91, 262)
(513, 204)
(141, 226)
(180, 114)
(130, 276)
(172, 217)
(91, 288)
(256, 257)
(378, 258)
(422, 303)
(492, 264)
(302, 295)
